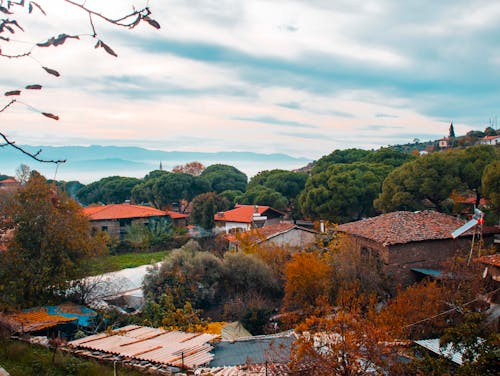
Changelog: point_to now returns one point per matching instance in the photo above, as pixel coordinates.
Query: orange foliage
(412, 305)
(347, 341)
(191, 168)
(308, 278)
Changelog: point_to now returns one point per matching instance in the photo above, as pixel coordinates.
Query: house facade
(9, 184)
(280, 234)
(247, 217)
(114, 218)
(410, 245)
(490, 140)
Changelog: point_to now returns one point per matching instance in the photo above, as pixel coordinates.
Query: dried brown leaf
(49, 115)
(152, 22)
(108, 49)
(52, 71)
(5, 10)
(34, 87)
(30, 7)
(57, 41)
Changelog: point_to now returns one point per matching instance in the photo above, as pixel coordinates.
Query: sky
(297, 77)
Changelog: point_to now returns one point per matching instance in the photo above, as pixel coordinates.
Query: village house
(444, 143)
(490, 140)
(246, 217)
(279, 234)
(9, 184)
(410, 245)
(114, 218)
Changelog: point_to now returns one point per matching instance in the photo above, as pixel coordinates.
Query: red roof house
(246, 217)
(409, 244)
(113, 218)
(9, 184)
(490, 140)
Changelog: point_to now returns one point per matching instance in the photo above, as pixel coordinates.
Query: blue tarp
(84, 315)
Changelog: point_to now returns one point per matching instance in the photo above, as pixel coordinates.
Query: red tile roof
(486, 138)
(9, 181)
(243, 213)
(404, 227)
(121, 211)
(490, 260)
(176, 215)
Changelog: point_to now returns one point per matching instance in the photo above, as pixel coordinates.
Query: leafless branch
(125, 21)
(8, 105)
(10, 26)
(35, 156)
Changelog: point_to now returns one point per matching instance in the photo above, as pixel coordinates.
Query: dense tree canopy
(109, 190)
(343, 192)
(205, 206)
(288, 183)
(387, 156)
(260, 195)
(491, 185)
(472, 163)
(162, 189)
(51, 238)
(222, 177)
(433, 178)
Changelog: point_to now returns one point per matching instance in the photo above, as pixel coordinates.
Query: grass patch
(23, 359)
(113, 263)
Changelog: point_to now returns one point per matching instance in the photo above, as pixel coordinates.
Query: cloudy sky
(296, 77)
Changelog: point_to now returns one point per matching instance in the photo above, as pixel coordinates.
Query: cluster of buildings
(406, 246)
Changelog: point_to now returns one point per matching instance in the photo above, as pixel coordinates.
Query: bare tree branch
(10, 26)
(32, 155)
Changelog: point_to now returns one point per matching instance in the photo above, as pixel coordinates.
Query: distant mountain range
(90, 163)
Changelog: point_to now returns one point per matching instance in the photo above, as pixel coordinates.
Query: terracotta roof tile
(242, 213)
(490, 260)
(486, 138)
(121, 211)
(176, 215)
(9, 181)
(404, 227)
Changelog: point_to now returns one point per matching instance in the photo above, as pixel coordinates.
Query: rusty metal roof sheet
(33, 320)
(153, 345)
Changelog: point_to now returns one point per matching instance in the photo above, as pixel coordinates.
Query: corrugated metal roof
(33, 320)
(152, 344)
(252, 351)
(432, 344)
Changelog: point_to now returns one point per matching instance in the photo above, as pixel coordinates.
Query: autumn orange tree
(51, 238)
(12, 48)
(308, 280)
(192, 168)
(344, 339)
